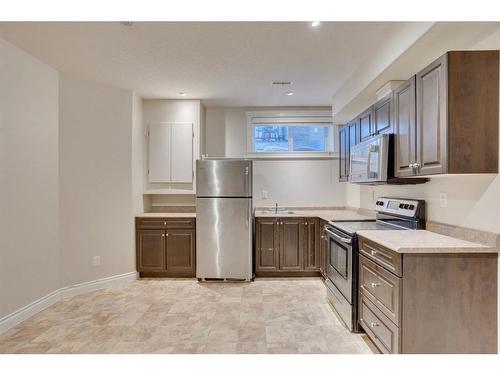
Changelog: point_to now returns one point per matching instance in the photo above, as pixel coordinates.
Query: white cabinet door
(171, 152)
(182, 153)
(159, 152)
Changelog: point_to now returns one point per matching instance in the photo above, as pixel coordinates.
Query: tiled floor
(183, 316)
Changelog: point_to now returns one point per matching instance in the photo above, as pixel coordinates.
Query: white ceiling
(223, 63)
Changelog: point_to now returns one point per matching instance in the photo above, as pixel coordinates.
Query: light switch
(443, 199)
(96, 260)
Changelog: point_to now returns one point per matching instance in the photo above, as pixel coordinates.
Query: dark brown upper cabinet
(349, 135)
(366, 126)
(405, 128)
(456, 127)
(382, 115)
(343, 153)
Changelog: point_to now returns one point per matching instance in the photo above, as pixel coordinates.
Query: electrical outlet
(443, 199)
(264, 194)
(96, 260)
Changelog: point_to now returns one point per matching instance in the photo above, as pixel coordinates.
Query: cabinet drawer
(381, 287)
(181, 223)
(384, 333)
(388, 259)
(157, 223)
(150, 223)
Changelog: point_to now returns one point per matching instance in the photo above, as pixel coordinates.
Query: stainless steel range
(342, 265)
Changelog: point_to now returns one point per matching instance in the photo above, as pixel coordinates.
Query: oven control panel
(399, 206)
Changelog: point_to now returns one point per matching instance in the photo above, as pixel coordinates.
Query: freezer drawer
(224, 178)
(224, 238)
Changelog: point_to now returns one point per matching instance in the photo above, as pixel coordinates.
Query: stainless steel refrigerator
(224, 219)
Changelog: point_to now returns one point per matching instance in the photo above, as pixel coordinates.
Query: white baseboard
(40, 304)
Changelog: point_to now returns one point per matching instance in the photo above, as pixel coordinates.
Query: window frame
(289, 117)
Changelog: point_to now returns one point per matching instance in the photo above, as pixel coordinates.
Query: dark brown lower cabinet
(323, 248)
(287, 246)
(428, 303)
(267, 244)
(167, 252)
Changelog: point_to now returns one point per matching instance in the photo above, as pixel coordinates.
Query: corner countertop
(167, 214)
(328, 215)
(423, 242)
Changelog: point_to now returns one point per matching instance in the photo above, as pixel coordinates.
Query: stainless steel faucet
(276, 208)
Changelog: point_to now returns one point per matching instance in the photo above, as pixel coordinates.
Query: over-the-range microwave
(372, 161)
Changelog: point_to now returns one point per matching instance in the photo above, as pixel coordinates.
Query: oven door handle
(344, 240)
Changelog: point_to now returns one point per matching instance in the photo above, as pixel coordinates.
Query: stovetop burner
(351, 227)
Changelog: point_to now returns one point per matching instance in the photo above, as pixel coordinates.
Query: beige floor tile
(184, 316)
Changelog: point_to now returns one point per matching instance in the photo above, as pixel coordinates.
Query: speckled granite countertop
(328, 215)
(422, 242)
(167, 214)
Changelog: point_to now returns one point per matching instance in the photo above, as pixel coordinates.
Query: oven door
(339, 266)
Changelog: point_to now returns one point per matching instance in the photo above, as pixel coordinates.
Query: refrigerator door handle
(249, 212)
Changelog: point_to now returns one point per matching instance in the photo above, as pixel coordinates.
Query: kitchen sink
(279, 212)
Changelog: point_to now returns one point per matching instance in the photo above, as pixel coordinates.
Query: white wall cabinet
(170, 153)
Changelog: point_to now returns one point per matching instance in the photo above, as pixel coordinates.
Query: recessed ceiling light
(182, 93)
(315, 23)
(289, 93)
(127, 23)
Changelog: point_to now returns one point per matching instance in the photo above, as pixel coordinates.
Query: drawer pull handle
(374, 285)
(373, 252)
(374, 324)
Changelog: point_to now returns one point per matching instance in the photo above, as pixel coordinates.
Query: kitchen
(269, 219)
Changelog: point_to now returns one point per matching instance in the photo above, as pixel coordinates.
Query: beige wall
(137, 155)
(287, 182)
(29, 240)
(95, 157)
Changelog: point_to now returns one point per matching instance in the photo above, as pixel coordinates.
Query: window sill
(292, 156)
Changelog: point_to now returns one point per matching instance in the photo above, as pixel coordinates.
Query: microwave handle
(369, 159)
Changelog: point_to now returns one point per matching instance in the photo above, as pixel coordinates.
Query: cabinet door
(354, 136)
(180, 252)
(311, 245)
(382, 115)
(291, 244)
(150, 250)
(405, 128)
(267, 244)
(159, 152)
(365, 124)
(432, 118)
(323, 246)
(343, 153)
(182, 153)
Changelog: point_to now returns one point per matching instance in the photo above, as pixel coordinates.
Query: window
(290, 133)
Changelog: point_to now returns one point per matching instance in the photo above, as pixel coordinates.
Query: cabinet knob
(373, 252)
(164, 223)
(416, 165)
(374, 324)
(307, 223)
(374, 285)
(167, 234)
(163, 235)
